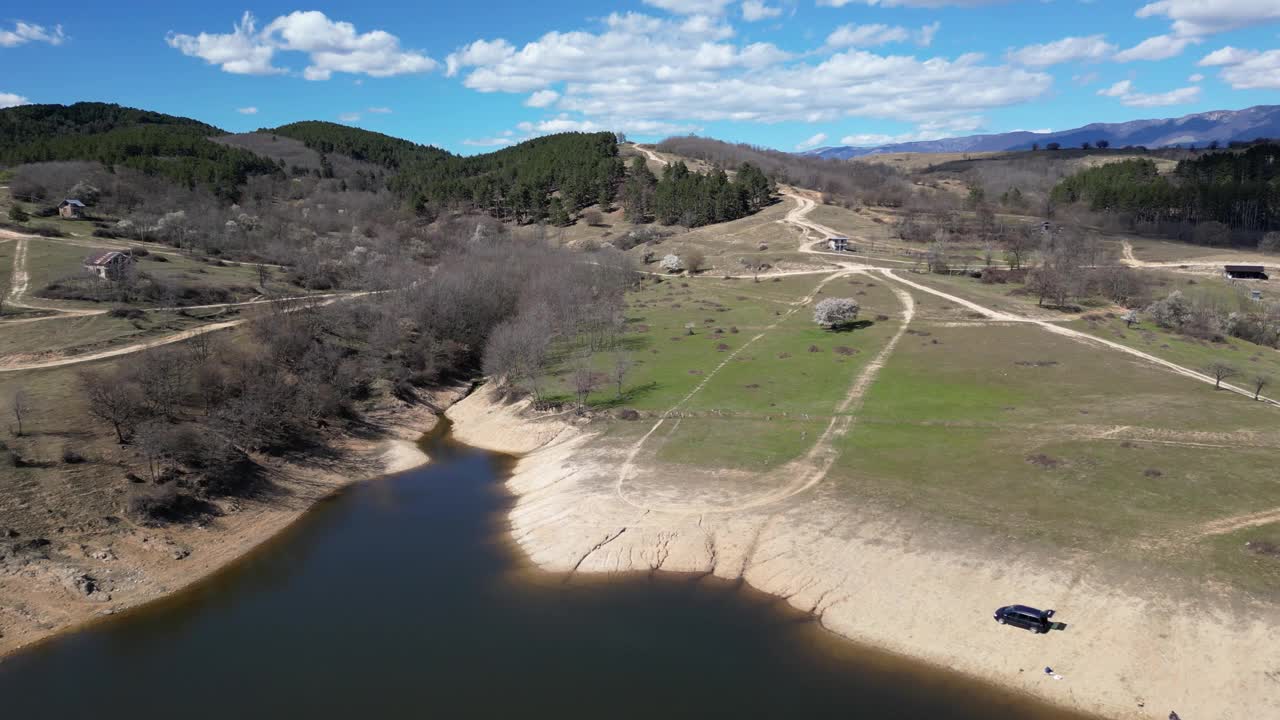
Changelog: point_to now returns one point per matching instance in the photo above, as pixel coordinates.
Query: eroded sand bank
(907, 587)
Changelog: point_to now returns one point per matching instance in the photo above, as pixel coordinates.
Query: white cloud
(251, 110)
(925, 131)
(642, 74)
(753, 10)
(8, 100)
(1130, 97)
(488, 142)
(242, 51)
(690, 7)
(924, 37)
(812, 142)
(1160, 47)
(1085, 79)
(349, 117)
(378, 110)
(1226, 56)
(1093, 47)
(866, 35)
(1246, 69)
(542, 98)
(23, 33)
(1204, 17)
(910, 3)
(331, 46)
(1195, 78)
(1121, 88)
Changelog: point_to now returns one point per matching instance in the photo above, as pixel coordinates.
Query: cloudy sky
(791, 74)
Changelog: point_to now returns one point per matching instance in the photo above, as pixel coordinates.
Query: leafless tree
(622, 364)
(1259, 382)
(517, 351)
(585, 382)
(1221, 371)
(1017, 245)
(162, 374)
(264, 274)
(114, 400)
(695, 260)
(20, 406)
(593, 217)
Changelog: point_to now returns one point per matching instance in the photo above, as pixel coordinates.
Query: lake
(402, 597)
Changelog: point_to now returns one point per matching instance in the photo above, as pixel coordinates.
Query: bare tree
(593, 217)
(517, 350)
(113, 400)
(19, 405)
(1017, 245)
(264, 274)
(585, 382)
(1259, 382)
(1221, 371)
(695, 261)
(622, 364)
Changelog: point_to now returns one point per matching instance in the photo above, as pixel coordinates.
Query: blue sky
(787, 74)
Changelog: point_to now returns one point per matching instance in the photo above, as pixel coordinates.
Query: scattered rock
(85, 585)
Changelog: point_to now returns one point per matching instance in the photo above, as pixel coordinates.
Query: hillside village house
(112, 265)
(71, 208)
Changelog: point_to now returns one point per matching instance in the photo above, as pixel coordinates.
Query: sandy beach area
(1133, 647)
(137, 565)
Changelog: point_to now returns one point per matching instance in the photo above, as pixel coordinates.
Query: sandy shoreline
(142, 565)
(883, 582)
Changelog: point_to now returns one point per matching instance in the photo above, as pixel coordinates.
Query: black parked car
(1027, 618)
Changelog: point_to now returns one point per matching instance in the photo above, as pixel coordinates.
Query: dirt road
(1075, 335)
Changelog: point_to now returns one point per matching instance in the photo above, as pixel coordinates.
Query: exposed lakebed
(402, 598)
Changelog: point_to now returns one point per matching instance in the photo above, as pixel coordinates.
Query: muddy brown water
(402, 598)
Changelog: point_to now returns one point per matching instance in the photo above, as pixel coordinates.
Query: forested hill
(157, 144)
(525, 181)
(1235, 191)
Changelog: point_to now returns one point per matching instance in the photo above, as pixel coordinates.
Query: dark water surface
(400, 598)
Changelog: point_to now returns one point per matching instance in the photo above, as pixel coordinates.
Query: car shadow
(1057, 626)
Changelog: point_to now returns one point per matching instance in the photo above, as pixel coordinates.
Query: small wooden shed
(71, 208)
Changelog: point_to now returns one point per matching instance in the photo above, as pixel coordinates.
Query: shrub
(1270, 242)
(1172, 312)
(834, 312)
(71, 457)
(126, 312)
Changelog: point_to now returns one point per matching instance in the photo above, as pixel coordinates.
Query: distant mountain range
(1221, 125)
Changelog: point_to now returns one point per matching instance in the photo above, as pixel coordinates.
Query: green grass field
(1093, 452)
(78, 335)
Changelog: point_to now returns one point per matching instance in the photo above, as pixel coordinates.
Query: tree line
(692, 199)
(1218, 198)
(526, 182)
(177, 149)
(867, 183)
(195, 412)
